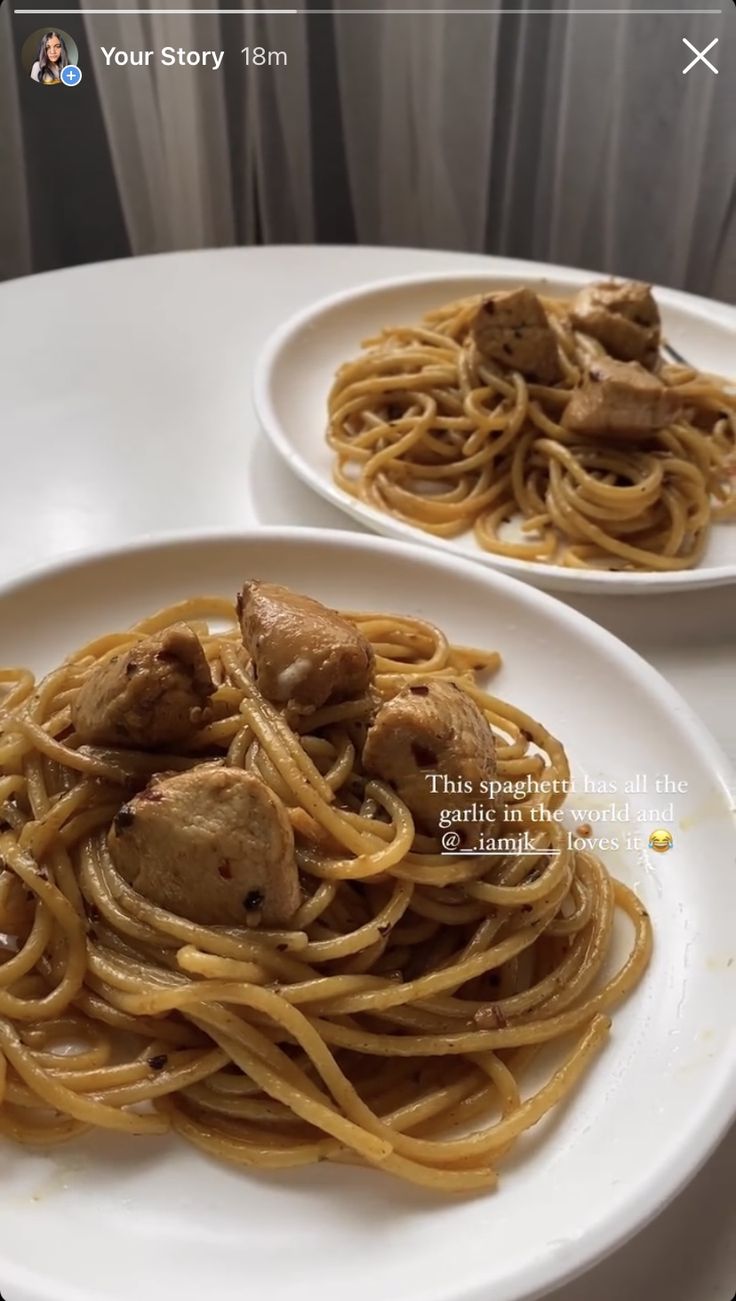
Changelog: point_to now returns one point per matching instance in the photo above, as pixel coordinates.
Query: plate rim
(666, 1178)
(551, 577)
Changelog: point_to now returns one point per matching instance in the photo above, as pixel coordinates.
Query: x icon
(700, 55)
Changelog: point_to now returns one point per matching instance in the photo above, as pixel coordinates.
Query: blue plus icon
(71, 75)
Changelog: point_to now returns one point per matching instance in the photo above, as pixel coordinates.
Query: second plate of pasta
(577, 432)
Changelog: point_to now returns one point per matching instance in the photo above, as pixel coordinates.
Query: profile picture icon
(51, 58)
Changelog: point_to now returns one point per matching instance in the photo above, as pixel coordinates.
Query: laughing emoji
(660, 840)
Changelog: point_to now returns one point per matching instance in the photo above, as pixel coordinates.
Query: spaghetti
(390, 1024)
(429, 429)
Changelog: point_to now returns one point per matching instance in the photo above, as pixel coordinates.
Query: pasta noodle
(426, 428)
(390, 1025)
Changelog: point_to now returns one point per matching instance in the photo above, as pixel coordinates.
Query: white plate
(296, 368)
(112, 1217)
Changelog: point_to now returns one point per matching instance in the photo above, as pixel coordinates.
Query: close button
(700, 55)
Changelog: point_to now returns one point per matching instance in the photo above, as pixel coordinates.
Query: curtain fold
(561, 138)
(278, 117)
(167, 130)
(15, 240)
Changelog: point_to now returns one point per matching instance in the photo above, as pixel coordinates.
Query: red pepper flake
(152, 794)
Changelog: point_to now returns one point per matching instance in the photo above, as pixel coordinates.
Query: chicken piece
(213, 844)
(303, 653)
(150, 696)
(432, 728)
(512, 329)
(620, 399)
(623, 317)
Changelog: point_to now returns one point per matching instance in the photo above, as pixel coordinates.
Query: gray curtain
(565, 138)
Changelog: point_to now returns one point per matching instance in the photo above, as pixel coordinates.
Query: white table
(153, 357)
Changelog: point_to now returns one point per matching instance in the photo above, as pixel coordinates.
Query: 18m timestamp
(257, 56)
